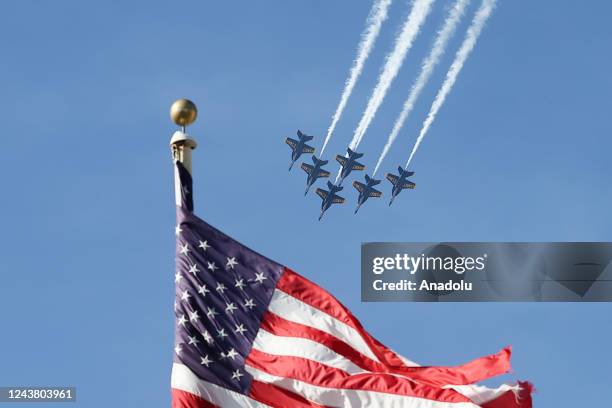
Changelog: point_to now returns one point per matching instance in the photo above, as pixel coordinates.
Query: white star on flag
(230, 307)
(239, 284)
(211, 313)
(185, 295)
(231, 263)
(212, 266)
(177, 230)
(205, 360)
(178, 349)
(204, 245)
(207, 337)
(193, 340)
(178, 277)
(231, 354)
(249, 303)
(236, 375)
(259, 277)
(202, 290)
(240, 328)
(182, 320)
(220, 287)
(221, 333)
(193, 316)
(194, 269)
(184, 249)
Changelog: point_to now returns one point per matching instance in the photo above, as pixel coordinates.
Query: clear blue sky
(520, 152)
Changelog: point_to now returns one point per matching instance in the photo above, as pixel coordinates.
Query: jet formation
(348, 164)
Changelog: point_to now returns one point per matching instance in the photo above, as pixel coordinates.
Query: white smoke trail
(393, 63)
(427, 68)
(378, 14)
(466, 48)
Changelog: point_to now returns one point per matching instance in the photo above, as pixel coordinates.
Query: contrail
(427, 68)
(378, 14)
(473, 32)
(393, 63)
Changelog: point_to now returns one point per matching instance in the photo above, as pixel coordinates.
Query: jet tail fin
(320, 162)
(405, 173)
(353, 153)
(371, 181)
(304, 136)
(331, 186)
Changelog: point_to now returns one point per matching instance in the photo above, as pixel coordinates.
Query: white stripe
(292, 309)
(351, 398)
(185, 380)
(304, 348)
(481, 394)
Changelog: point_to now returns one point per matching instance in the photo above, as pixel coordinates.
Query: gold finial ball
(183, 112)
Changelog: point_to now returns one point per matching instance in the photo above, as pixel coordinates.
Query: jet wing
(408, 184)
(307, 168)
(359, 186)
(342, 160)
(374, 193)
(322, 193)
(392, 178)
(337, 199)
(291, 142)
(323, 173)
(358, 166)
(308, 149)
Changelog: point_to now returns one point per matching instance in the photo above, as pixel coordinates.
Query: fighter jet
(314, 172)
(349, 163)
(299, 147)
(400, 182)
(366, 190)
(329, 197)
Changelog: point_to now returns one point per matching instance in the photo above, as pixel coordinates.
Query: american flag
(252, 333)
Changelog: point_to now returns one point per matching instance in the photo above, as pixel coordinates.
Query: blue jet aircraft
(329, 197)
(349, 164)
(298, 147)
(366, 190)
(400, 182)
(314, 172)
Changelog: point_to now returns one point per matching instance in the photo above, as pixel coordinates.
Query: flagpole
(183, 112)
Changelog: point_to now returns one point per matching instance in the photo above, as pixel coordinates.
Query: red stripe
(279, 397)
(510, 399)
(470, 373)
(183, 399)
(318, 374)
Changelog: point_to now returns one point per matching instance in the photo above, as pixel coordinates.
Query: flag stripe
(281, 327)
(304, 348)
(307, 292)
(183, 399)
(348, 398)
(322, 375)
(294, 310)
(184, 379)
(279, 397)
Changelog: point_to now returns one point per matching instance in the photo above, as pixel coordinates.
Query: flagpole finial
(183, 112)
